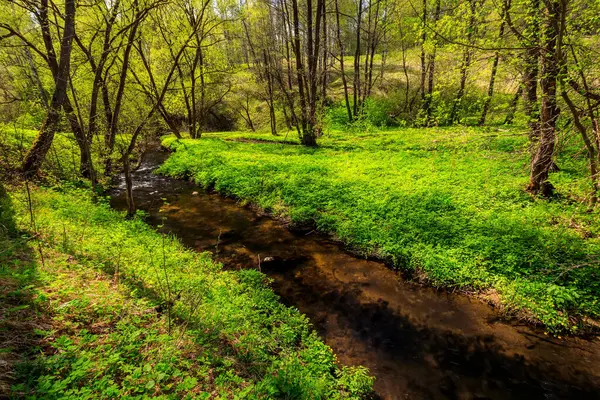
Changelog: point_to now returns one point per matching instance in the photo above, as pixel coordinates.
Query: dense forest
(455, 141)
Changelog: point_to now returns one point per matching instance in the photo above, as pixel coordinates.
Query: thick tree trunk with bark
(36, 155)
(542, 162)
(530, 76)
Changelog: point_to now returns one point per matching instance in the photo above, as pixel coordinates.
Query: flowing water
(419, 343)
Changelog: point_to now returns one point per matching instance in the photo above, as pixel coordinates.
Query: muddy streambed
(419, 343)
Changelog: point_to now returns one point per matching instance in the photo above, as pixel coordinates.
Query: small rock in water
(194, 193)
(269, 259)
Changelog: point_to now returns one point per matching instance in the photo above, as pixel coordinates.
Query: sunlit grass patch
(447, 204)
(131, 313)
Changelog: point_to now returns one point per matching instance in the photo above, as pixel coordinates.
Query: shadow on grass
(21, 320)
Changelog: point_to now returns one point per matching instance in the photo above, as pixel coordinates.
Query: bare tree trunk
(488, 100)
(324, 64)
(356, 82)
(35, 156)
(201, 113)
(85, 158)
(530, 76)
(248, 118)
(431, 68)
(98, 85)
(342, 54)
(299, 66)
(466, 64)
(270, 93)
(128, 186)
(592, 144)
(371, 48)
(113, 126)
(592, 153)
(309, 136)
(423, 54)
(36, 78)
(542, 161)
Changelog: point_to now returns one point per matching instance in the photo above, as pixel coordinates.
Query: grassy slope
(445, 203)
(91, 320)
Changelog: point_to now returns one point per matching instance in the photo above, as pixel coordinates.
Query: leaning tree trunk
(542, 162)
(591, 150)
(36, 155)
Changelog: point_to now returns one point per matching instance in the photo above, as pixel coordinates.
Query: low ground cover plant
(109, 308)
(445, 204)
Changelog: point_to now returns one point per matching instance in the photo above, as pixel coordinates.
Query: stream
(419, 343)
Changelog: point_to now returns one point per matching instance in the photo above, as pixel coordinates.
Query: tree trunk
(589, 146)
(35, 156)
(490, 94)
(128, 186)
(431, 68)
(542, 162)
(530, 76)
(114, 123)
(36, 78)
(342, 54)
(356, 82)
(423, 54)
(299, 66)
(464, 69)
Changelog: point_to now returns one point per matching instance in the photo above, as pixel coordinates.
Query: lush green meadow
(104, 307)
(446, 205)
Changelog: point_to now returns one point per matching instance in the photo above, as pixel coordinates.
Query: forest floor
(96, 306)
(445, 205)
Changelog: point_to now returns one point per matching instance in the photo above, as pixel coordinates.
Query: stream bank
(419, 343)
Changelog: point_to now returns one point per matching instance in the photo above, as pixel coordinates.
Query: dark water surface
(419, 343)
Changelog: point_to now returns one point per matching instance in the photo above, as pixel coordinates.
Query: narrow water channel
(419, 343)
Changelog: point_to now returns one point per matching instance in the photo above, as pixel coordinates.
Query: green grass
(447, 205)
(114, 309)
